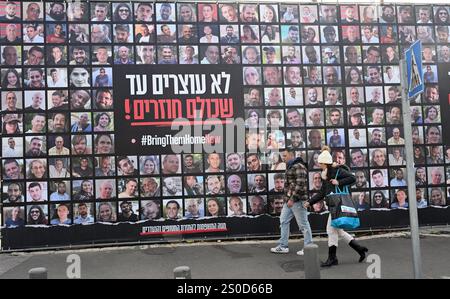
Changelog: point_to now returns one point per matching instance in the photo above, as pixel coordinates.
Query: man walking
(296, 192)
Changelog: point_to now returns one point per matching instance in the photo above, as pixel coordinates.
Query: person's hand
(335, 182)
(306, 204)
(290, 203)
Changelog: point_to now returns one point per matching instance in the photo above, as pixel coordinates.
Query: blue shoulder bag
(342, 208)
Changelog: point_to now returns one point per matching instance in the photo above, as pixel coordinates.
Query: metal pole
(409, 153)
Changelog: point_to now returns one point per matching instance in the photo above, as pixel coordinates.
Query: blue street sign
(416, 84)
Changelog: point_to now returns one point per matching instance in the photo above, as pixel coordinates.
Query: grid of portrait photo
(320, 74)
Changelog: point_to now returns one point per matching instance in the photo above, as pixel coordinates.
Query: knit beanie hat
(325, 156)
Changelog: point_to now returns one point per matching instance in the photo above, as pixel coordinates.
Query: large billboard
(152, 106)
(110, 113)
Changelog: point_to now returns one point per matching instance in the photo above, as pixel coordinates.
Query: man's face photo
(172, 210)
(358, 159)
(151, 210)
(312, 95)
(330, 34)
(126, 166)
(234, 162)
(294, 119)
(144, 12)
(82, 210)
(11, 10)
(293, 35)
(35, 77)
(14, 193)
(212, 54)
(10, 56)
(214, 185)
(361, 180)
(57, 11)
(296, 139)
(171, 164)
(335, 117)
(214, 161)
(248, 13)
(104, 100)
(277, 205)
(192, 207)
(35, 193)
(79, 56)
(405, 14)
(106, 190)
(332, 95)
(257, 205)
(165, 12)
(79, 77)
(12, 170)
(167, 53)
(378, 179)
(328, 13)
(33, 12)
(59, 122)
(35, 146)
(376, 137)
(101, 12)
(234, 184)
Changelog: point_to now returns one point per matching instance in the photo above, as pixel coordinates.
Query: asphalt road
(234, 260)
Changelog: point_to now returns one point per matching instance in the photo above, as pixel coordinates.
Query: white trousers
(335, 233)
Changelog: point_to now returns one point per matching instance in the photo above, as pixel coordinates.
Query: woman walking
(334, 175)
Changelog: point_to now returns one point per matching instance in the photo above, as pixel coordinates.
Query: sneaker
(279, 249)
(300, 252)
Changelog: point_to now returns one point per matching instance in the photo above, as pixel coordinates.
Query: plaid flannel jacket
(296, 184)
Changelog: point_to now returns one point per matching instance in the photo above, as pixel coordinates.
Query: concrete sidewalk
(235, 260)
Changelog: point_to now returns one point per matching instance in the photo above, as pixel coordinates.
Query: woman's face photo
(247, 32)
(186, 13)
(87, 187)
(213, 208)
(421, 173)
(12, 79)
(268, 15)
(251, 76)
(149, 167)
(191, 181)
(104, 121)
(11, 127)
(417, 152)
(105, 213)
(253, 119)
(354, 75)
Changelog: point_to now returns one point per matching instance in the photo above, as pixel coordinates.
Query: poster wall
(90, 92)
